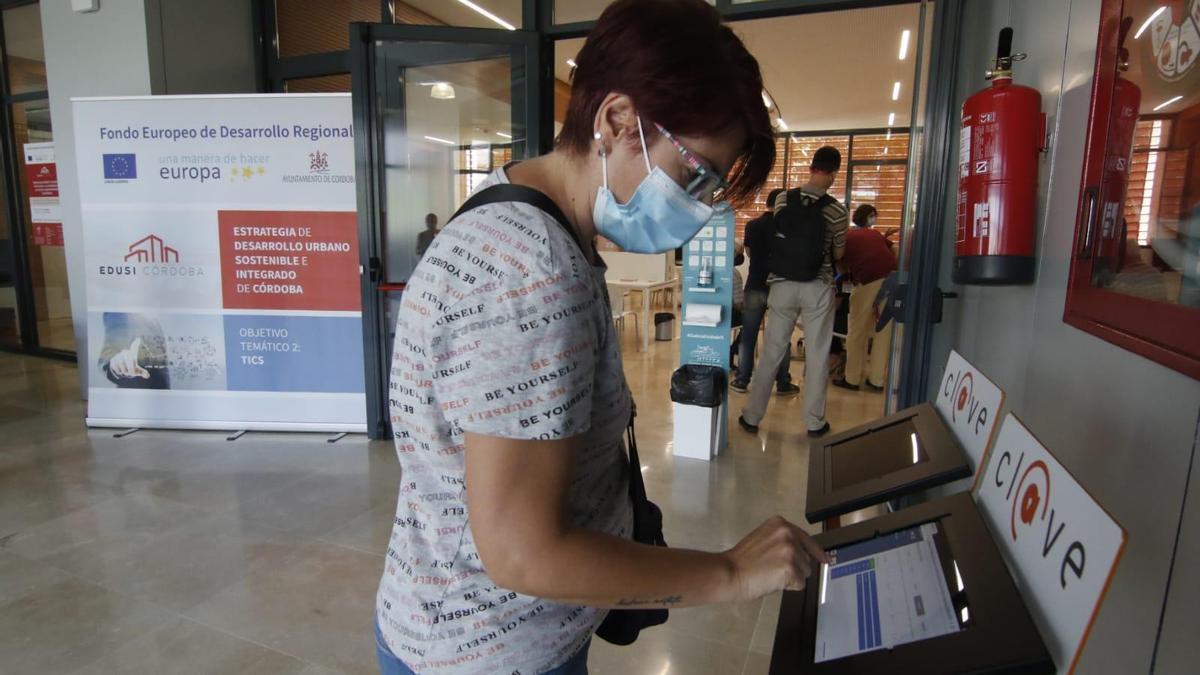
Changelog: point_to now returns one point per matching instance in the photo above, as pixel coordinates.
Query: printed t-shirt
(503, 330)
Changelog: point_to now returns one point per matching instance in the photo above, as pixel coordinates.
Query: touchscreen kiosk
(899, 454)
(921, 590)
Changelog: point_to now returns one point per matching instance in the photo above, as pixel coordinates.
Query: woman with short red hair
(513, 532)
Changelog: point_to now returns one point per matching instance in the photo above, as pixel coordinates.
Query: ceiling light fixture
(767, 99)
(571, 62)
(1149, 21)
(443, 141)
(488, 14)
(783, 125)
(896, 91)
(442, 90)
(501, 134)
(1166, 103)
(891, 119)
(904, 44)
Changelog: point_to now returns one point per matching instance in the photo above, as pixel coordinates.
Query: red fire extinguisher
(1003, 130)
(1114, 181)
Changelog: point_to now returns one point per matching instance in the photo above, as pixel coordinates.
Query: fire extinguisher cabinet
(1002, 133)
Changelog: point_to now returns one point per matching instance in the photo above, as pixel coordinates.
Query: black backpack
(798, 240)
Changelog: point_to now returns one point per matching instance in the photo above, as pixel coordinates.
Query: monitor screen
(875, 453)
(888, 591)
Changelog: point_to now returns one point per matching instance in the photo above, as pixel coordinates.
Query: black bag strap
(508, 192)
(637, 488)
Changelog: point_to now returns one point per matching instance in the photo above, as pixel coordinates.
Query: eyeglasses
(707, 182)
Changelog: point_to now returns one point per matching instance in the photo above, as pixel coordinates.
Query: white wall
(1124, 425)
(103, 53)
(203, 47)
(133, 47)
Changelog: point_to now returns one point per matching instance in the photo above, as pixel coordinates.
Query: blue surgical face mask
(660, 216)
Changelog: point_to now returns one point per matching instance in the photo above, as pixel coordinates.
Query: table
(646, 288)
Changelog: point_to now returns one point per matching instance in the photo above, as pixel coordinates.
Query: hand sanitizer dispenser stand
(702, 432)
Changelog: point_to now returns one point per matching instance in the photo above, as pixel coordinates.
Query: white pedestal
(700, 433)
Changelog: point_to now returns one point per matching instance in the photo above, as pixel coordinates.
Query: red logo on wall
(151, 249)
(1033, 491)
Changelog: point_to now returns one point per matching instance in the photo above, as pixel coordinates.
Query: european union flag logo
(120, 166)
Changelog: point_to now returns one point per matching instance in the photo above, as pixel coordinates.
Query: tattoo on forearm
(668, 600)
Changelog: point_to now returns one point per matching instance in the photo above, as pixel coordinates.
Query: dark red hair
(685, 70)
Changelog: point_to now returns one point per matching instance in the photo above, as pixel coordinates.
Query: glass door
(918, 48)
(437, 109)
(35, 306)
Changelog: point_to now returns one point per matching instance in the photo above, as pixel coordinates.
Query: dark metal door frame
(368, 141)
(13, 196)
(939, 158)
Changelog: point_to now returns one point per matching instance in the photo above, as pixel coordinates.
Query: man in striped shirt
(812, 302)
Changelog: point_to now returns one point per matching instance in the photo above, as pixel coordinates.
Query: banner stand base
(131, 425)
(123, 434)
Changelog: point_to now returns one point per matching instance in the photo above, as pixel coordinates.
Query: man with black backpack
(759, 233)
(810, 235)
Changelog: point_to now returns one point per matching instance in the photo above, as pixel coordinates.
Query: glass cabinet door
(1135, 279)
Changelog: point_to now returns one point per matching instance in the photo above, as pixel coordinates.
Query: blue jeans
(754, 309)
(390, 664)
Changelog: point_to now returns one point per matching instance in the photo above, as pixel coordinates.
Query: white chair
(616, 299)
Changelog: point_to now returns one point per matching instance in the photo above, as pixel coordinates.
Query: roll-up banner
(221, 249)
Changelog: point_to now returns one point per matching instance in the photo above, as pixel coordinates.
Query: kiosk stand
(700, 432)
(923, 590)
(930, 588)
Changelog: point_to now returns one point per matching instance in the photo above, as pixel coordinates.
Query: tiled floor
(180, 552)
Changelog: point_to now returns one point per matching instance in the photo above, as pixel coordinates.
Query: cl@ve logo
(1032, 512)
(965, 408)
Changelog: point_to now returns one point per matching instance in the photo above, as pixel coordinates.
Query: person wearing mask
(508, 398)
(424, 239)
(810, 301)
(868, 260)
(758, 242)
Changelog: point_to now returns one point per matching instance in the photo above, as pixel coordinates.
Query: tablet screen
(883, 592)
(875, 453)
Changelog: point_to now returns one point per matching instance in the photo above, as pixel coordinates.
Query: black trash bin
(664, 326)
(698, 385)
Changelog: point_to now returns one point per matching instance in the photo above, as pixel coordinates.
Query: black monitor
(899, 454)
